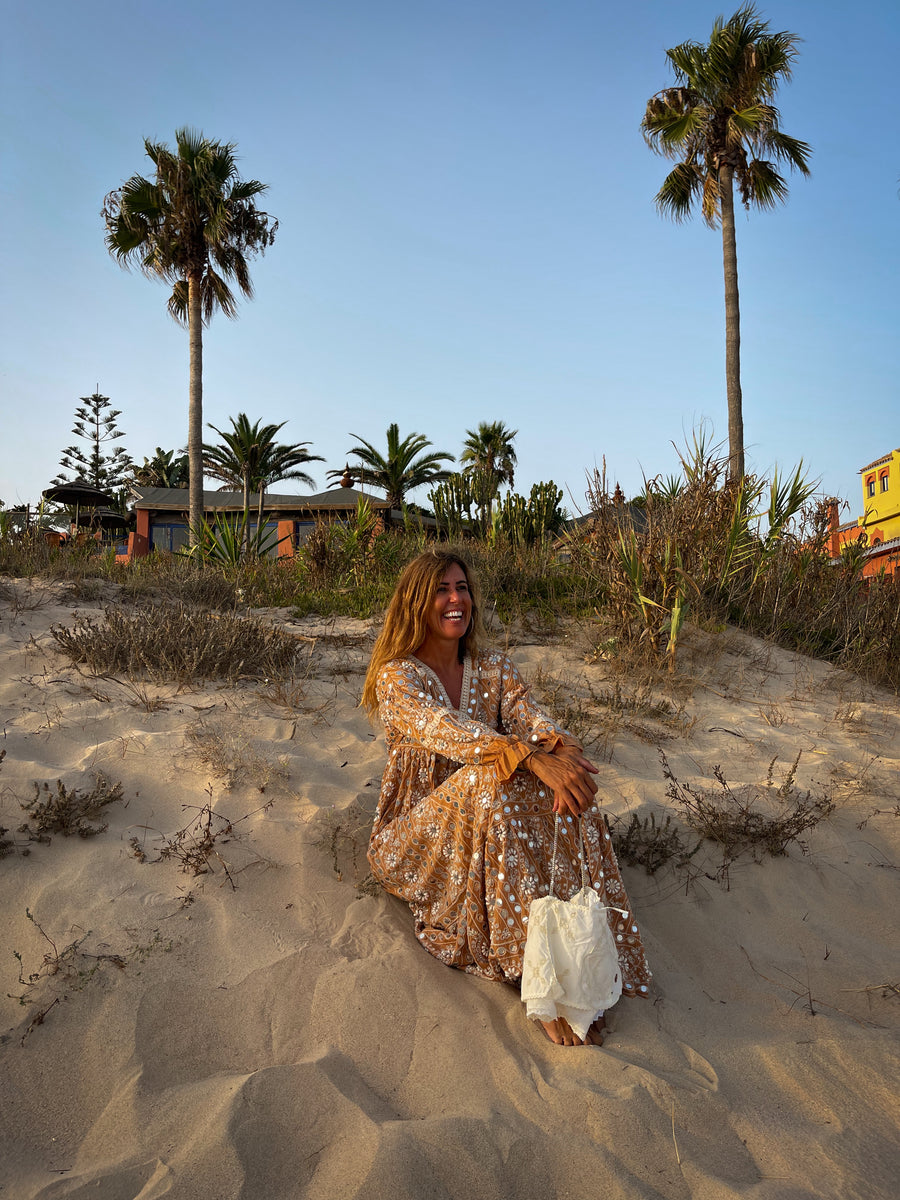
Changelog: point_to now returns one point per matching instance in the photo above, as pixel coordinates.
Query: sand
(270, 1029)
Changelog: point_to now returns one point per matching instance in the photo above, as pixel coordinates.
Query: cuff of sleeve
(511, 758)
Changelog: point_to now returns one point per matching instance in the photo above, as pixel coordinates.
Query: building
(879, 526)
(161, 516)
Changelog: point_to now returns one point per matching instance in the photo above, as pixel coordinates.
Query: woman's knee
(527, 792)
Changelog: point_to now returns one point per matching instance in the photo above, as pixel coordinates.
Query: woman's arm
(409, 712)
(558, 759)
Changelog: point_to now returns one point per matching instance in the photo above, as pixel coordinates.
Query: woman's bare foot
(596, 1035)
(561, 1033)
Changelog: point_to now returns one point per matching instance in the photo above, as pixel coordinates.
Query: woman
(475, 779)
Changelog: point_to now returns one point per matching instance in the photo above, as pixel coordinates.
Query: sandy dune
(269, 1030)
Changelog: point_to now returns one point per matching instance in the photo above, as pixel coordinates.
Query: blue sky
(467, 233)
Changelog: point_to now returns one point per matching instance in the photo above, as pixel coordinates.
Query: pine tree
(103, 465)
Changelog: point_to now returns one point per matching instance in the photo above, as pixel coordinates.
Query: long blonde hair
(406, 620)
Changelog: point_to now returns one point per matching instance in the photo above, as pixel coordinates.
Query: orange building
(879, 527)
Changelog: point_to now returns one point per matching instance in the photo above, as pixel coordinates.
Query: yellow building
(881, 499)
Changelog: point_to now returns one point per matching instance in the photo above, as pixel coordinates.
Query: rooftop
(177, 500)
(878, 461)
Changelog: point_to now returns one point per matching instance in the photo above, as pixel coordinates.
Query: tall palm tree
(720, 124)
(252, 460)
(490, 460)
(194, 226)
(400, 470)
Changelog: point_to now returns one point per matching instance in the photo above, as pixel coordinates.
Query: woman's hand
(576, 754)
(568, 774)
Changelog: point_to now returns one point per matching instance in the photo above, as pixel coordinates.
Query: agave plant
(225, 540)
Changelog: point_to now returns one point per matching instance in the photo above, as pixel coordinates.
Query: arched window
(870, 485)
(885, 482)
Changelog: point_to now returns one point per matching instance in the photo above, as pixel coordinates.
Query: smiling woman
(478, 785)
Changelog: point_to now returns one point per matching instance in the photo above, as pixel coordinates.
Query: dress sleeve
(412, 715)
(523, 718)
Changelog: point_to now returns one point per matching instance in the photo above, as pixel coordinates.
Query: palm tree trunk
(245, 533)
(195, 413)
(732, 328)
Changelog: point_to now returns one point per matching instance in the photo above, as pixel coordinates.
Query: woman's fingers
(572, 786)
(575, 755)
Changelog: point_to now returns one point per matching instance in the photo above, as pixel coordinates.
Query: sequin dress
(465, 837)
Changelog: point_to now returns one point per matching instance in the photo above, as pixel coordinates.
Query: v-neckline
(464, 687)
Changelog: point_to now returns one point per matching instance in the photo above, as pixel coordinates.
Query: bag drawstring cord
(584, 880)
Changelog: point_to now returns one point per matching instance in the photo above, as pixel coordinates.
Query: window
(870, 485)
(884, 482)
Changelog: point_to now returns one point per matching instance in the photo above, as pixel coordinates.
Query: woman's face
(451, 609)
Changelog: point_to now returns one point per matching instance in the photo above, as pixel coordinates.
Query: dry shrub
(534, 585)
(641, 704)
(288, 692)
(170, 643)
(68, 810)
(69, 969)
(232, 758)
(646, 843)
(747, 819)
(170, 578)
(194, 846)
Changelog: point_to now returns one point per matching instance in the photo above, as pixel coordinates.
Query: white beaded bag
(571, 966)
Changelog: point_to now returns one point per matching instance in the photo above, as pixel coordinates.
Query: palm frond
(788, 150)
(679, 190)
(178, 302)
(760, 184)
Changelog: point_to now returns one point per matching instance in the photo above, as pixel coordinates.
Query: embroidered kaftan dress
(465, 837)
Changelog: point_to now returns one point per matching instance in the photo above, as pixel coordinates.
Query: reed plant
(753, 552)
